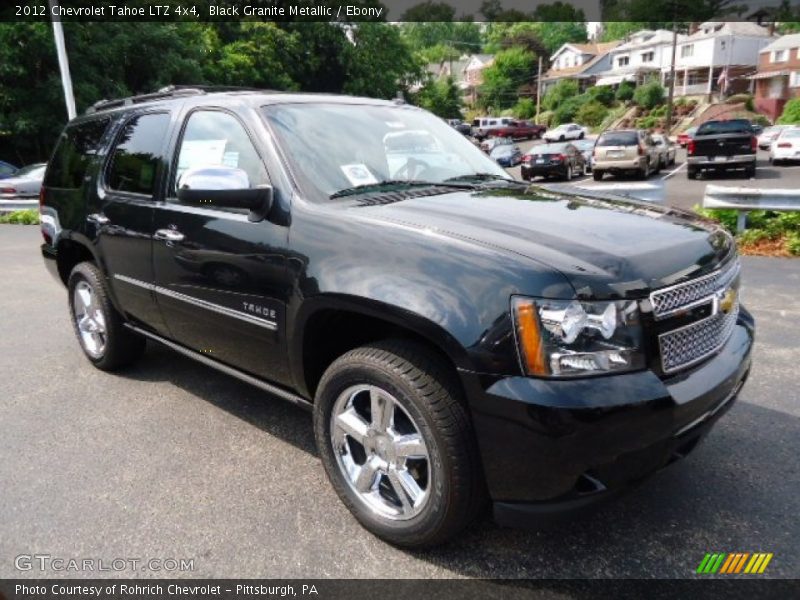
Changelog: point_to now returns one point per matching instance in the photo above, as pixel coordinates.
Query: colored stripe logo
(734, 563)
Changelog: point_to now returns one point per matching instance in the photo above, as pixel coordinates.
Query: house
(646, 53)
(466, 71)
(778, 76)
(718, 57)
(581, 62)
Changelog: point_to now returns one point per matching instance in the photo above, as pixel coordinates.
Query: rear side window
(137, 154)
(723, 127)
(6, 169)
(76, 146)
(618, 138)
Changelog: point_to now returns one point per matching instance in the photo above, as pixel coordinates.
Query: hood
(607, 248)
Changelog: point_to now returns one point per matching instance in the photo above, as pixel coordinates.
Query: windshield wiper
(379, 185)
(479, 177)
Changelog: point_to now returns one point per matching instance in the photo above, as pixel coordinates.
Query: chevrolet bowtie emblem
(728, 300)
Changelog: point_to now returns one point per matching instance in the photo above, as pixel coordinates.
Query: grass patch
(21, 217)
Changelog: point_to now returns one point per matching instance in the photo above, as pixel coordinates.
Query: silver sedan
(25, 183)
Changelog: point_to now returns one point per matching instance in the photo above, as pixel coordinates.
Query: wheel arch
(328, 326)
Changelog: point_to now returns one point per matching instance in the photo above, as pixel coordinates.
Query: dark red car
(518, 130)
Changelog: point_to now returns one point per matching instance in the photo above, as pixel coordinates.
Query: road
(170, 459)
(673, 188)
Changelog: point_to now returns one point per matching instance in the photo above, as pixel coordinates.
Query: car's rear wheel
(396, 443)
(750, 172)
(691, 173)
(597, 175)
(568, 173)
(99, 327)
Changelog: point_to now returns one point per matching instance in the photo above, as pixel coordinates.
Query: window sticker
(201, 153)
(358, 174)
(230, 159)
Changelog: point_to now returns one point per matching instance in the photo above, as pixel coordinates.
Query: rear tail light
(8, 191)
(559, 158)
(690, 147)
(784, 145)
(753, 143)
(41, 198)
(641, 150)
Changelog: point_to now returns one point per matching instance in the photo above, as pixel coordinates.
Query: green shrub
(566, 111)
(604, 94)
(21, 217)
(559, 93)
(739, 99)
(525, 108)
(724, 216)
(625, 91)
(761, 120)
(649, 95)
(793, 244)
(753, 236)
(791, 113)
(591, 113)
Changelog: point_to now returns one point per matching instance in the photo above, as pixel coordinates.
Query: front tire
(397, 445)
(99, 327)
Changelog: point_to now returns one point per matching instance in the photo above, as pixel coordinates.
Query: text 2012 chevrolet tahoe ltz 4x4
(459, 336)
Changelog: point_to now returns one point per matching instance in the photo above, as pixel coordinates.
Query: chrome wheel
(89, 319)
(380, 452)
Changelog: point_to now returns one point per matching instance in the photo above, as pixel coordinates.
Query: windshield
(31, 172)
(549, 149)
(333, 147)
(722, 127)
(790, 133)
(619, 138)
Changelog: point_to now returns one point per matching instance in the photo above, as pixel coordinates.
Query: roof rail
(166, 92)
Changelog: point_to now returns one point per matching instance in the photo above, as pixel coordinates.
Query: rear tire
(597, 175)
(691, 173)
(373, 478)
(750, 172)
(99, 327)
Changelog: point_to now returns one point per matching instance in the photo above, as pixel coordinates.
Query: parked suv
(622, 151)
(457, 336)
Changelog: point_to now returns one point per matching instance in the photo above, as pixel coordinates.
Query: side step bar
(214, 364)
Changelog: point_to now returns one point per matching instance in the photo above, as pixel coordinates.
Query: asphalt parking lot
(170, 459)
(672, 187)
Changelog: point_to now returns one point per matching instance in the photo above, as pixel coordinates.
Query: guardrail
(18, 204)
(745, 199)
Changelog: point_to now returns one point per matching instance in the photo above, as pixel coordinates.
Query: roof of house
(599, 51)
(717, 28)
(783, 43)
(482, 58)
(652, 38)
(590, 48)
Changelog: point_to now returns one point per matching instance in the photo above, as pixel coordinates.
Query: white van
(482, 125)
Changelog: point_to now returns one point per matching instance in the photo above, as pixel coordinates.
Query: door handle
(169, 235)
(97, 219)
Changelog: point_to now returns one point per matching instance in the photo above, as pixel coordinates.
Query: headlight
(568, 338)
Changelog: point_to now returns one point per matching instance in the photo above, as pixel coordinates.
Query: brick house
(778, 76)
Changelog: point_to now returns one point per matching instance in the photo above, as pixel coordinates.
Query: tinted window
(722, 127)
(618, 138)
(75, 148)
(213, 139)
(6, 169)
(137, 153)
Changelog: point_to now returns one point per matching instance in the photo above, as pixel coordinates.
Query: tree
(511, 69)
(558, 93)
(542, 38)
(429, 12)
(378, 63)
(460, 37)
(442, 97)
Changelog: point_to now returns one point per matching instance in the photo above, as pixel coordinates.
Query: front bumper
(736, 161)
(552, 447)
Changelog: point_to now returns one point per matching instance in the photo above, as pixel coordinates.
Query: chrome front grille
(689, 344)
(670, 300)
(692, 343)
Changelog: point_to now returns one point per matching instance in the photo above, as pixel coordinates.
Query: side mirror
(226, 187)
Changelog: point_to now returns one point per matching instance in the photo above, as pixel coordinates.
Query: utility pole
(539, 90)
(671, 93)
(63, 61)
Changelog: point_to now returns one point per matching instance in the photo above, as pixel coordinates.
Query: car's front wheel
(99, 327)
(396, 442)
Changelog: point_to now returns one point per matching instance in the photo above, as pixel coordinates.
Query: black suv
(458, 335)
